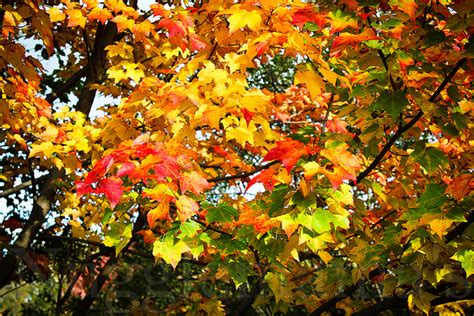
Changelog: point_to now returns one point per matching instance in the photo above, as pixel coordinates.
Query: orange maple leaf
(194, 182)
(265, 177)
(100, 14)
(345, 39)
(260, 222)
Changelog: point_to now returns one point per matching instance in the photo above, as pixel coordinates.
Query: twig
(326, 117)
(243, 174)
(208, 227)
(14, 289)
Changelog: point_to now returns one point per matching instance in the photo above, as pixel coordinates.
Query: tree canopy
(238, 157)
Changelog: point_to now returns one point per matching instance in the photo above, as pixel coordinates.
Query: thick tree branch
(83, 306)
(66, 86)
(391, 303)
(105, 35)
(41, 207)
(21, 186)
(242, 175)
(333, 301)
(412, 122)
(458, 230)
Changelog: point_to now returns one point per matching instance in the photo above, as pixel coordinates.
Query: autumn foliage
(272, 156)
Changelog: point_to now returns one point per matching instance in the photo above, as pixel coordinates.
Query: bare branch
(69, 84)
(242, 175)
(21, 186)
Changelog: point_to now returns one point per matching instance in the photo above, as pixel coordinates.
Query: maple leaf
(111, 187)
(123, 23)
(466, 257)
(194, 182)
(288, 223)
(100, 14)
(266, 177)
(159, 212)
(142, 30)
(196, 43)
(187, 207)
(345, 39)
(307, 14)
(461, 186)
(242, 134)
(148, 236)
(287, 151)
(340, 21)
(158, 9)
(260, 221)
(407, 6)
(173, 28)
(56, 15)
(127, 168)
(313, 82)
(169, 250)
(241, 18)
(12, 223)
(76, 18)
(345, 164)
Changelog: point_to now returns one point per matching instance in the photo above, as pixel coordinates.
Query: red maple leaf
(111, 187)
(307, 14)
(287, 151)
(265, 177)
(196, 43)
(173, 28)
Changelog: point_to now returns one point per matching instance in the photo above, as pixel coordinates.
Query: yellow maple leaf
(242, 133)
(100, 14)
(44, 149)
(313, 82)
(169, 251)
(126, 70)
(123, 23)
(241, 18)
(120, 49)
(56, 15)
(76, 18)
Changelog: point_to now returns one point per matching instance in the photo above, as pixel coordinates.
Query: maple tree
(268, 155)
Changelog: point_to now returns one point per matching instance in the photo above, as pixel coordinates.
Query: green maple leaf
(430, 159)
(466, 257)
(239, 270)
(322, 219)
(392, 103)
(433, 197)
(222, 213)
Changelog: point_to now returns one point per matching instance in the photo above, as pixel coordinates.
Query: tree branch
(21, 186)
(458, 230)
(412, 122)
(391, 303)
(105, 35)
(241, 175)
(66, 86)
(83, 306)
